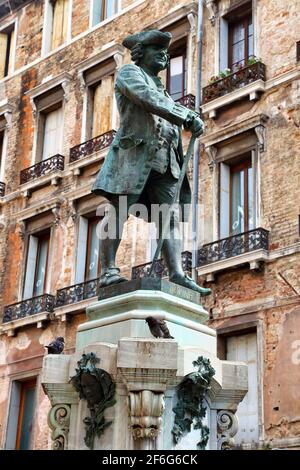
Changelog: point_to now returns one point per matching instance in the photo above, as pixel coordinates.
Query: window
(21, 415)
(240, 42)
(237, 196)
(37, 265)
(87, 258)
(92, 267)
(101, 96)
(51, 130)
(7, 50)
(103, 9)
(244, 348)
(177, 71)
(236, 38)
(100, 91)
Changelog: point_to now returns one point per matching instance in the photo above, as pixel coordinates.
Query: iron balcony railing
(77, 292)
(2, 189)
(29, 307)
(42, 168)
(160, 269)
(91, 146)
(234, 81)
(235, 245)
(189, 101)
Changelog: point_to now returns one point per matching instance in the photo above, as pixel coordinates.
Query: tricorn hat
(148, 38)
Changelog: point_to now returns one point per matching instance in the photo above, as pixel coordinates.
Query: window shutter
(13, 416)
(223, 44)
(81, 250)
(60, 23)
(102, 106)
(30, 267)
(97, 12)
(3, 47)
(52, 134)
(224, 200)
(243, 348)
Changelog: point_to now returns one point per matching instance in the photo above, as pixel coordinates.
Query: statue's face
(155, 58)
(91, 389)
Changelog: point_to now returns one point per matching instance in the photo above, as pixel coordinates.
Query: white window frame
(119, 9)
(48, 28)
(63, 80)
(3, 27)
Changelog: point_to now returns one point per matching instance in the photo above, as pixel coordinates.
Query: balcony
(77, 293)
(29, 311)
(2, 189)
(91, 146)
(160, 269)
(189, 101)
(249, 247)
(42, 168)
(247, 81)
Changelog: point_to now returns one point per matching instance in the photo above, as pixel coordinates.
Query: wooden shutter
(243, 348)
(52, 134)
(3, 49)
(97, 12)
(224, 200)
(102, 106)
(223, 44)
(81, 250)
(30, 267)
(60, 23)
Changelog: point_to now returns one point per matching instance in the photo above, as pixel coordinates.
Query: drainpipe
(197, 145)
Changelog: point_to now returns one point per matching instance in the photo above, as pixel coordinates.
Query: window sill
(39, 320)
(253, 258)
(252, 91)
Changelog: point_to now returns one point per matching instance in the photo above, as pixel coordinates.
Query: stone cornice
(100, 56)
(61, 79)
(174, 15)
(232, 130)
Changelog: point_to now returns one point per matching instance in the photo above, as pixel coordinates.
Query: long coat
(141, 106)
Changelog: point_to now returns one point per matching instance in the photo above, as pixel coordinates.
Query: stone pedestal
(145, 370)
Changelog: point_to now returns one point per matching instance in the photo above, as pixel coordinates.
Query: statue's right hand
(196, 127)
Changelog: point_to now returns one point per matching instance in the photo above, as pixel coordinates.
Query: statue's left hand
(195, 125)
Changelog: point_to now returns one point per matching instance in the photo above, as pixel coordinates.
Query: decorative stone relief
(212, 8)
(145, 412)
(227, 427)
(96, 386)
(118, 58)
(193, 24)
(190, 409)
(260, 132)
(211, 152)
(59, 423)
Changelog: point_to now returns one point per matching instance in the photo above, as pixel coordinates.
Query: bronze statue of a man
(146, 155)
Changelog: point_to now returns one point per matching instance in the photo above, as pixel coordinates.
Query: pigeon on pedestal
(158, 328)
(56, 346)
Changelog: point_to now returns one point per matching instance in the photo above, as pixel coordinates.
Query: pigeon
(57, 346)
(158, 328)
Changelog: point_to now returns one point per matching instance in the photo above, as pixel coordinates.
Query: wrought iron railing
(160, 269)
(234, 81)
(233, 246)
(29, 307)
(2, 189)
(77, 292)
(91, 146)
(189, 101)
(42, 168)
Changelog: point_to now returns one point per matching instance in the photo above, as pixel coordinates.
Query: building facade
(58, 116)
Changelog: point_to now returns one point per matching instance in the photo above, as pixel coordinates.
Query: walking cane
(176, 196)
